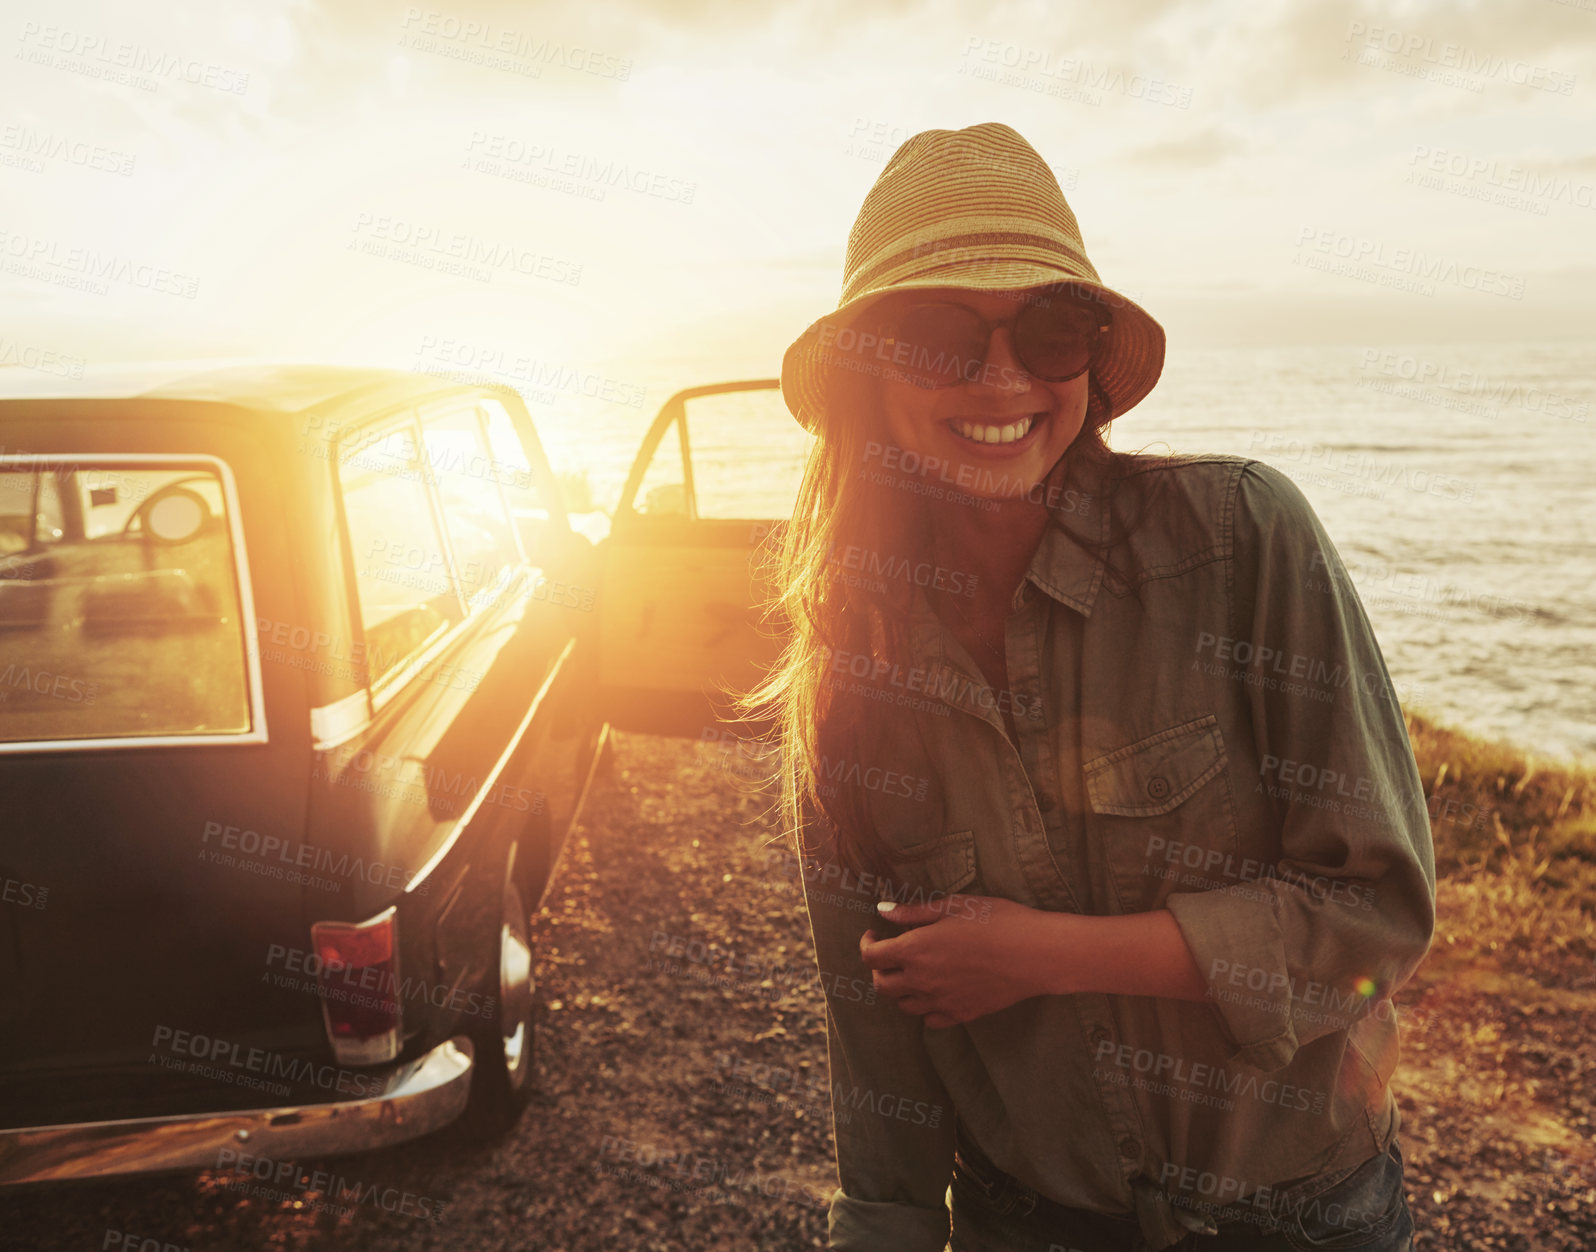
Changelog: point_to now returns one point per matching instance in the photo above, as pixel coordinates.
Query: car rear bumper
(419, 1097)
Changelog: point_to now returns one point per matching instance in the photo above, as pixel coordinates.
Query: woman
(1111, 741)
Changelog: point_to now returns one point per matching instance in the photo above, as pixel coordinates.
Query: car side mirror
(549, 542)
(669, 498)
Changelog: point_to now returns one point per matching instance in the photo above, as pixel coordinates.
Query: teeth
(978, 433)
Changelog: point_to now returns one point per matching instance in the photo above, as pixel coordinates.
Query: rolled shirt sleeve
(893, 1169)
(1349, 911)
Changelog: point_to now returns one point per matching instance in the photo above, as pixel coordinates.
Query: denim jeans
(1363, 1210)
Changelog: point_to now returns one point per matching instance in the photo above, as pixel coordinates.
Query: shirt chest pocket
(1162, 815)
(925, 872)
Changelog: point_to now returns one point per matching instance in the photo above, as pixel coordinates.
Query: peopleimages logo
(1427, 375)
(36, 256)
(45, 360)
(1413, 264)
(480, 359)
(433, 245)
(303, 1182)
(872, 778)
(132, 1241)
(904, 355)
(1295, 673)
(368, 986)
(280, 854)
(498, 47)
(869, 562)
(1516, 185)
(1039, 65)
(968, 476)
(23, 894)
(1208, 863)
(1445, 55)
(103, 56)
(229, 1061)
(1201, 1083)
(43, 682)
(574, 169)
(37, 146)
(939, 682)
(1361, 468)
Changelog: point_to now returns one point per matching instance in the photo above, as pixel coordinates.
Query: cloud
(1574, 165)
(1281, 52)
(1209, 146)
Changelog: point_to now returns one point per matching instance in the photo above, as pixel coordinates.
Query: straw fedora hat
(976, 208)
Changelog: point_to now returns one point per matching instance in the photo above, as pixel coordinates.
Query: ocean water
(1457, 481)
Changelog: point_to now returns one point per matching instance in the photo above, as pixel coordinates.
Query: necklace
(995, 649)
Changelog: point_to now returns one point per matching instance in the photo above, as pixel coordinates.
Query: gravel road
(681, 1103)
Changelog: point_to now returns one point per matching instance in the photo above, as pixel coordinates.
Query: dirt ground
(681, 1075)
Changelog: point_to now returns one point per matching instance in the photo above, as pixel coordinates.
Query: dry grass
(1515, 849)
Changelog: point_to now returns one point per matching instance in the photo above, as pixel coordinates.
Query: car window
(475, 514)
(402, 577)
(663, 490)
(120, 607)
(747, 452)
(529, 488)
(526, 485)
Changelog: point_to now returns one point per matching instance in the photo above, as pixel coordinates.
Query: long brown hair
(840, 504)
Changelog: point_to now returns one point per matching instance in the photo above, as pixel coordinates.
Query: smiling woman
(1136, 1053)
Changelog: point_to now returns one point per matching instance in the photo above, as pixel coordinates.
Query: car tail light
(358, 973)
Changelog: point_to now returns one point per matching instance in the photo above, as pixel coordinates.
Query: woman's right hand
(964, 956)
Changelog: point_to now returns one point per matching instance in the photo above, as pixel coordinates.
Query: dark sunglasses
(1057, 333)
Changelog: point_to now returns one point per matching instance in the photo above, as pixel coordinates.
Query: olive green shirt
(1216, 736)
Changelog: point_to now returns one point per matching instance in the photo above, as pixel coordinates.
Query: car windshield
(119, 602)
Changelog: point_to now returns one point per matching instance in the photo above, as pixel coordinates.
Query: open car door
(682, 619)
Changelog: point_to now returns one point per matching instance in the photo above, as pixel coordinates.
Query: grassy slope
(1515, 852)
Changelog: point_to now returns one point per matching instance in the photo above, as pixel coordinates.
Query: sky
(649, 182)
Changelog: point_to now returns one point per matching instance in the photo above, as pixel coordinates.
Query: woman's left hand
(963, 957)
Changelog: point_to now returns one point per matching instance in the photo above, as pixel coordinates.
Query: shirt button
(1130, 1148)
(1045, 801)
(1158, 786)
(1099, 1035)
